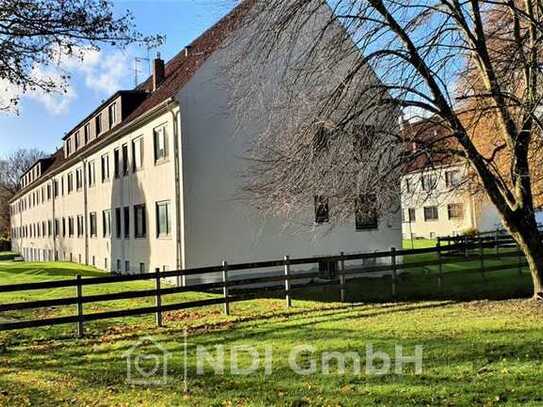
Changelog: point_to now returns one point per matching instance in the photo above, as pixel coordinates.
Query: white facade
(436, 202)
(199, 180)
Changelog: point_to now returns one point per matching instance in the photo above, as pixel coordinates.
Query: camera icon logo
(147, 363)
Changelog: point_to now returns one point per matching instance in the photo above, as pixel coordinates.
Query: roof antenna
(138, 69)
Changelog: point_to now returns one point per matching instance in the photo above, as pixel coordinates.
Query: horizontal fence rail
(240, 287)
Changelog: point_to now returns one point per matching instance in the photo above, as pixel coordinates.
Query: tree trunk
(527, 236)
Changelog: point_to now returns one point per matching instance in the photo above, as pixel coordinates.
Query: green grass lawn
(474, 353)
(419, 243)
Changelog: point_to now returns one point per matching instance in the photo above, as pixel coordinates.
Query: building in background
(437, 196)
(149, 179)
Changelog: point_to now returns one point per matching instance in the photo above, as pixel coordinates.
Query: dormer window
(68, 147)
(86, 132)
(98, 123)
(112, 114)
(77, 141)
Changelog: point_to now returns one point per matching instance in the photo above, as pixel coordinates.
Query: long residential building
(149, 179)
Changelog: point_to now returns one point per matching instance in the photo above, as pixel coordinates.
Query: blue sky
(43, 119)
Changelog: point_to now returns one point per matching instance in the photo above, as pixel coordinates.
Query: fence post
(225, 287)
(79, 292)
(342, 277)
(440, 264)
(158, 299)
(482, 256)
(287, 282)
(394, 274)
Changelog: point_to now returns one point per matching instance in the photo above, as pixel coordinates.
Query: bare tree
(438, 59)
(36, 33)
(12, 167)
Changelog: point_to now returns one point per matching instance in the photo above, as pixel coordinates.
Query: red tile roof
(178, 72)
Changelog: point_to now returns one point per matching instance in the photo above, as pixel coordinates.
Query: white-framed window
(92, 224)
(125, 159)
(431, 213)
(160, 139)
(91, 173)
(140, 221)
(79, 178)
(116, 163)
(429, 182)
(105, 167)
(70, 182)
(455, 211)
(106, 223)
(163, 221)
(137, 154)
(452, 178)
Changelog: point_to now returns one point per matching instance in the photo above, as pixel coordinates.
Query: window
(321, 140)
(322, 209)
(364, 140)
(118, 265)
(137, 154)
(48, 192)
(126, 222)
(429, 182)
(127, 266)
(91, 173)
(431, 213)
(142, 268)
(140, 221)
(116, 164)
(407, 185)
(92, 224)
(365, 214)
(412, 215)
(63, 227)
(70, 182)
(455, 211)
(86, 132)
(77, 141)
(125, 159)
(57, 228)
(163, 218)
(106, 223)
(68, 152)
(80, 225)
(105, 168)
(62, 185)
(79, 178)
(161, 143)
(49, 228)
(112, 110)
(71, 226)
(98, 124)
(118, 223)
(452, 178)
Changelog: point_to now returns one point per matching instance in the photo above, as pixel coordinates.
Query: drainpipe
(85, 211)
(176, 118)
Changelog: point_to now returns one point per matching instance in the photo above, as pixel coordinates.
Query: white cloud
(102, 72)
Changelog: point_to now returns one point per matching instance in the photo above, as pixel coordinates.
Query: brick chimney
(158, 72)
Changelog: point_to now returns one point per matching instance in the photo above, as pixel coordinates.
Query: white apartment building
(148, 180)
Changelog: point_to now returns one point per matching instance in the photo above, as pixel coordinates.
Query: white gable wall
(217, 225)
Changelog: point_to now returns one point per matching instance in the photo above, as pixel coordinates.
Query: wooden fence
(235, 289)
